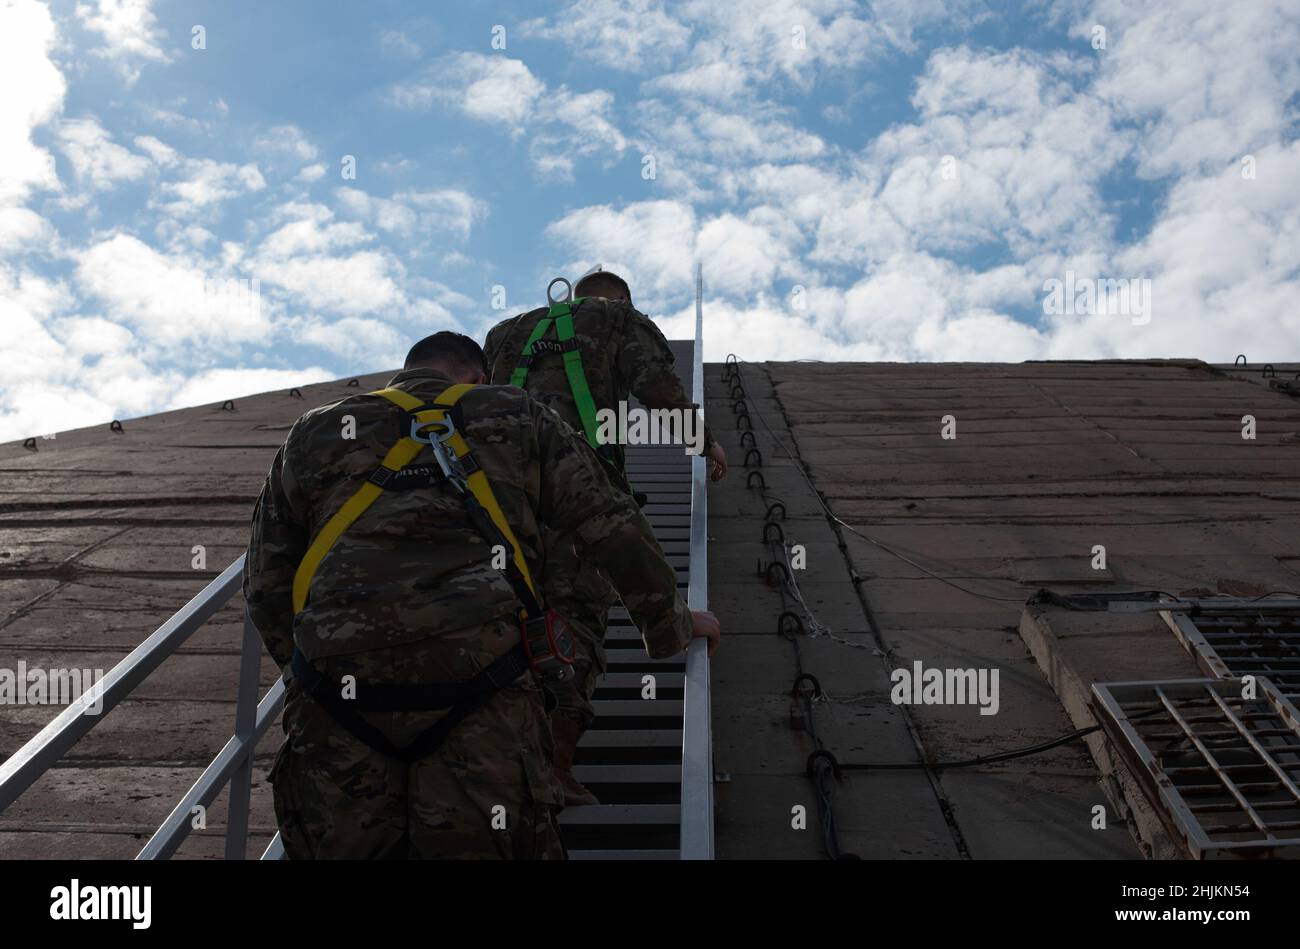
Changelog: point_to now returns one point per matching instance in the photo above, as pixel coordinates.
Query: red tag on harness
(549, 645)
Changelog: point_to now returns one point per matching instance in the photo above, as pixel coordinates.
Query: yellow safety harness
(431, 425)
(545, 644)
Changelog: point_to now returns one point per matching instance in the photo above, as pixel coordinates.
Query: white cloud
(1208, 83)
(136, 328)
(654, 245)
(1013, 128)
(28, 304)
(130, 33)
(651, 243)
(723, 52)
(162, 154)
(287, 139)
(627, 35)
(707, 154)
(1224, 261)
(167, 298)
(496, 89)
(747, 255)
(365, 342)
(398, 43)
(411, 212)
(913, 307)
(390, 215)
(760, 330)
(395, 166)
(94, 336)
(311, 232)
(96, 159)
(175, 119)
(207, 184)
(730, 137)
(447, 208)
(504, 92)
(720, 80)
(30, 404)
(363, 282)
(318, 263)
(33, 95)
(217, 385)
(1033, 142)
(23, 229)
(493, 89)
(188, 187)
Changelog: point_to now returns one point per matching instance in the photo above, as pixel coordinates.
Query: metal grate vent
(1232, 643)
(1224, 768)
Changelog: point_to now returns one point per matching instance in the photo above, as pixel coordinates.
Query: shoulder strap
(520, 375)
(464, 473)
(473, 482)
(398, 457)
(561, 317)
(573, 369)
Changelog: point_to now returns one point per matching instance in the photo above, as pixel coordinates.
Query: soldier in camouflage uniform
(623, 354)
(408, 595)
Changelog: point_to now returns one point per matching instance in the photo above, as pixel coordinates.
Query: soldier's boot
(566, 732)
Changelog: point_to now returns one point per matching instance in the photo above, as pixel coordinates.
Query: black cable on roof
(990, 759)
(849, 527)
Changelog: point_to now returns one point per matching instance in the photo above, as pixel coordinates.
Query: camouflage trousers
(487, 793)
(577, 591)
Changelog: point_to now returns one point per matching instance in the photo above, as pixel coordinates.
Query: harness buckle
(548, 644)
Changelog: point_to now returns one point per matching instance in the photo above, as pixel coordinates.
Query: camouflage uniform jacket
(623, 352)
(413, 567)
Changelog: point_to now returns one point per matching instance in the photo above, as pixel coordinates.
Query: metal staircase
(633, 757)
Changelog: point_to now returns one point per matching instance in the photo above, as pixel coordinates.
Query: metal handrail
(697, 736)
(233, 764)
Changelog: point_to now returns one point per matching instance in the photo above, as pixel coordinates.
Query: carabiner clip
(439, 431)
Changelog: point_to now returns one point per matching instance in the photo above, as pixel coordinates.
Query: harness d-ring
(568, 293)
(438, 430)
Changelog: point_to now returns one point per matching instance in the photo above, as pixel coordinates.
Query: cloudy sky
(900, 180)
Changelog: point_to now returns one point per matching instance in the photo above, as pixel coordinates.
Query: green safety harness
(560, 316)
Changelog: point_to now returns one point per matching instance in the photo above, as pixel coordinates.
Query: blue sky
(877, 181)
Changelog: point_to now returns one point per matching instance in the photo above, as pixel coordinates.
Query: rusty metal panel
(1260, 641)
(1218, 758)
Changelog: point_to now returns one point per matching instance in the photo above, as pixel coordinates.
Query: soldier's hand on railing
(717, 462)
(706, 627)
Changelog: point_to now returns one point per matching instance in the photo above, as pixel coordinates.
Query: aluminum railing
(697, 729)
(233, 765)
